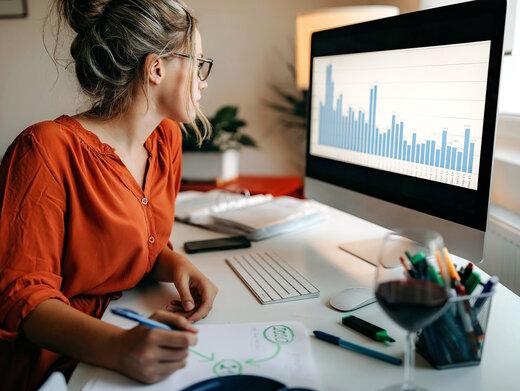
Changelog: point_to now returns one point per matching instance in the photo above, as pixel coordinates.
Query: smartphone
(219, 244)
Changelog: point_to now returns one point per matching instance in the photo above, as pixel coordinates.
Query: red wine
(412, 304)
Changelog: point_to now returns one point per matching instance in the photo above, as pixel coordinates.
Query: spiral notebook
(257, 217)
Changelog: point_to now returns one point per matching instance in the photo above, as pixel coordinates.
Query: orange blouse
(76, 226)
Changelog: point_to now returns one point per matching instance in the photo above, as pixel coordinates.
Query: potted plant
(217, 158)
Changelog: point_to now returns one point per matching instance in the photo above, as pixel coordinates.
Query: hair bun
(82, 14)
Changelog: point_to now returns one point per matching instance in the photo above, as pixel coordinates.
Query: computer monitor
(401, 125)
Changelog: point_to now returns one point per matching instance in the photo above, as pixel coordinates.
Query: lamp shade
(327, 18)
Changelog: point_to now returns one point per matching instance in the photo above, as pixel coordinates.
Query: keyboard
(271, 279)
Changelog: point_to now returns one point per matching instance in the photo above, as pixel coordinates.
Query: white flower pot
(218, 166)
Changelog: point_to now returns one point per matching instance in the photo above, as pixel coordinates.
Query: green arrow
(208, 358)
(252, 361)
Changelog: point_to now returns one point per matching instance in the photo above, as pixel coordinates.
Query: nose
(203, 85)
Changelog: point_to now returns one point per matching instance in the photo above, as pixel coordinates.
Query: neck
(127, 132)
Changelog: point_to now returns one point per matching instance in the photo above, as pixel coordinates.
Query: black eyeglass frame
(200, 59)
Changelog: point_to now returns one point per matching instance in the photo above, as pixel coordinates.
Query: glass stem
(409, 362)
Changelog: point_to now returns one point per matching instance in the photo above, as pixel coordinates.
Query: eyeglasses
(204, 65)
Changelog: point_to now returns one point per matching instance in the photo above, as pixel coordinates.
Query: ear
(155, 69)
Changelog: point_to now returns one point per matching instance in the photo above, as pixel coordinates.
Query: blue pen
(488, 288)
(356, 348)
(129, 314)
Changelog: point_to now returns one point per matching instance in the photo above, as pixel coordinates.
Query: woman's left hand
(197, 292)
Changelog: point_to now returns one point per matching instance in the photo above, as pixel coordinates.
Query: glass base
(401, 387)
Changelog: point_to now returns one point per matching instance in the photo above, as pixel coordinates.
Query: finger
(166, 369)
(166, 355)
(174, 339)
(185, 294)
(173, 320)
(202, 311)
(175, 307)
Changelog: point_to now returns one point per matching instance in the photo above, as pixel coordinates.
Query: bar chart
(416, 115)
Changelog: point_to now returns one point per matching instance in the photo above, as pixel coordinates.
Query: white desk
(314, 252)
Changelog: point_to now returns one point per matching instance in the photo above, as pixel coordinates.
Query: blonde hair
(113, 39)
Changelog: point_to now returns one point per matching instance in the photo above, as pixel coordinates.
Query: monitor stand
(367, 250)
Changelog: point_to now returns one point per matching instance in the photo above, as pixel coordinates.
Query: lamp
(309, 22)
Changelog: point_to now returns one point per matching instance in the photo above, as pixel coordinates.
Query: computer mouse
(352, 298)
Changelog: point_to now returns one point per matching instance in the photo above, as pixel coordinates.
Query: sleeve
(32, 233)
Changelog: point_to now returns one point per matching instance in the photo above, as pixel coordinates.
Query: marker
(451, 269)
(132, 315)
(357, 348)
(472, 282)
(466, 273)
(366, 328)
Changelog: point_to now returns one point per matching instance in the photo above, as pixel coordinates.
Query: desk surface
(314, 252)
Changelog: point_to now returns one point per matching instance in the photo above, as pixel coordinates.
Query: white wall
(251, 42)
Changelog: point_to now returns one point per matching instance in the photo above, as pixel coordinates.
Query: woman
(87, 202)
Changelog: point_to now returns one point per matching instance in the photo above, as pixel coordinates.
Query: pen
(357, 348)
(130, 314)
(489, 286)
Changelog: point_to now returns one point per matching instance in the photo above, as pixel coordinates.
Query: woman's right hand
(150, 355)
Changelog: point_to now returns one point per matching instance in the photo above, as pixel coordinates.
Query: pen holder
(456, 339)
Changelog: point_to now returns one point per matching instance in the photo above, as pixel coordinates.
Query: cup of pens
(456, 338)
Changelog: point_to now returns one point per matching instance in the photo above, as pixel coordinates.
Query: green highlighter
(370, 330)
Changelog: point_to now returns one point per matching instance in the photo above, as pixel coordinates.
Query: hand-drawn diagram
(277, 335)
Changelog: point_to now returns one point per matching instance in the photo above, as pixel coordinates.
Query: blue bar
(459, 161)
(380, 143)
(404, 150)
(432, 152)
(427, 157)
(400, 139)
(396, 142)
(453, 156)
(384, 144)
(422, 154)
(437, 157)
(356, 131)
(375, 108)
(388, 133)
(370, 116)
(345, 135)
(351, 129)
(360, 127)
(443, 148)
(414, 141)
(417, 155)
(466, 151)
(392, 138)
(376, 144)
(448, 156)
(363, 128)
(366, 132)
(408, 150)
(471, 152)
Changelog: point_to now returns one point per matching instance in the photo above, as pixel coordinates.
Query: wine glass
(412, 286)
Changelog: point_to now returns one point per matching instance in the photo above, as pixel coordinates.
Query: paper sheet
(278, 350)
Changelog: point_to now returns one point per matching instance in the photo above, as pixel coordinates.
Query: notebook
(257, 217)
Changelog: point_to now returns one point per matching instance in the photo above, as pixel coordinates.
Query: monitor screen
(403, 109)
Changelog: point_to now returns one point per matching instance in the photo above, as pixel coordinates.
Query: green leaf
(247, 141)
(225, 114)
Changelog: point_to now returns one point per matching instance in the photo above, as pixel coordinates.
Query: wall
(251, 42)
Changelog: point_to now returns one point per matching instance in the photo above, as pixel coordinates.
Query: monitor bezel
(448, 25)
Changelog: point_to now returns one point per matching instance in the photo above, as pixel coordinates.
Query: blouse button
(145, 201)
(151, 239)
